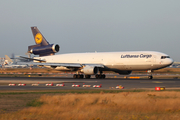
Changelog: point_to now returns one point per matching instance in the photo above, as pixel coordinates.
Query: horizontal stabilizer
(32, 59)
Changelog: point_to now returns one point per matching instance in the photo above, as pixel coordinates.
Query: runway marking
(152, 82)
(156, 82)
(159, 82)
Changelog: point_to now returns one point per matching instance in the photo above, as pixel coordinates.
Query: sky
(92, 25)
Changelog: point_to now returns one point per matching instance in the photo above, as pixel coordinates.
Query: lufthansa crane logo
(38, 38)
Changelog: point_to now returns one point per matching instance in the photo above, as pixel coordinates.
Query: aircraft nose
(169, 61)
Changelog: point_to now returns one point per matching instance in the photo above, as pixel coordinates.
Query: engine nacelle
(124, 72)
(45, 50)
(90, 70)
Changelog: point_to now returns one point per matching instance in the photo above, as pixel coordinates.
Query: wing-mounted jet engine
(42, 47)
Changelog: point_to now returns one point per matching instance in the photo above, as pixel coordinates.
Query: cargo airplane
(95, 63)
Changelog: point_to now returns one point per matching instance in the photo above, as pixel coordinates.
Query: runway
(109, 83)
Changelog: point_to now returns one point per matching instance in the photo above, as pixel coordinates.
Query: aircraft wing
(68, 65)
(57, 64)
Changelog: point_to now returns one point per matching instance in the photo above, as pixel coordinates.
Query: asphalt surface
(108, 83)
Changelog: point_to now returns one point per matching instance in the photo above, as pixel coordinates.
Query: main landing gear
(81, 76)
(97, 76)
(78, 76)
(100, 76)
(87, 76)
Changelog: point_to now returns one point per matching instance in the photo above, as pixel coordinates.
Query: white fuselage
(135, 60)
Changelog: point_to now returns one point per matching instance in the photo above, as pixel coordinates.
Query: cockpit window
(163, 57)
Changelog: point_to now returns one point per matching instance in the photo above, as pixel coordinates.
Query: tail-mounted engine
(44, 50)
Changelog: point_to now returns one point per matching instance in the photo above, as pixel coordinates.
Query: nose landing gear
(150, 76)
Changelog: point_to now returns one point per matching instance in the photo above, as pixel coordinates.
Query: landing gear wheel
(75, 76)
(103, 76)
(87, 76)
(150, 77)
(81, 76)
(78, 76)
(97, 76)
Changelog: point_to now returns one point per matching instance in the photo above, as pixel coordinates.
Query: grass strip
(34, 103)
